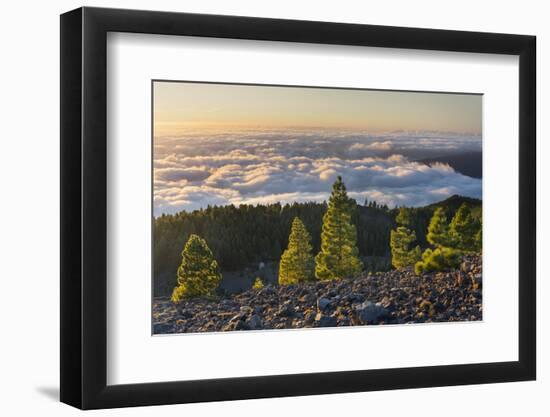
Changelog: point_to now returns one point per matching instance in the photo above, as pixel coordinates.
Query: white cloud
(265, 167)
(178, 174)
(375, 146)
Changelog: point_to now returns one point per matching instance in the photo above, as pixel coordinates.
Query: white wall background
(29, 226)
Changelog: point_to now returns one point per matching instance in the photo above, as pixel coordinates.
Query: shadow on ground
(50, 392)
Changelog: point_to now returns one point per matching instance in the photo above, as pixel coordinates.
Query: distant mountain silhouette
(452, 203)
(467, 163)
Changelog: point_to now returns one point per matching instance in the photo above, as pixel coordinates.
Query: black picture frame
(84, 207)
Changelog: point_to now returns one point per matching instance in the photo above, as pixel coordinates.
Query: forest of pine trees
(341, 233)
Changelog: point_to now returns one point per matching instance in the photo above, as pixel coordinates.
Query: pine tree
(339, 256)
(438, 230)
(445, 256)
(463, 229)
(297, 263)
(403, 218)
(401, 240)
(198, 274)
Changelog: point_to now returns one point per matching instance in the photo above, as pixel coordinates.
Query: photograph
(303, 207)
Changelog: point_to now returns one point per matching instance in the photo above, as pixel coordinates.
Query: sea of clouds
(195, 170)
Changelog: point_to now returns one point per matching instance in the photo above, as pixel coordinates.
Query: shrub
(258, 284)
(438, 259)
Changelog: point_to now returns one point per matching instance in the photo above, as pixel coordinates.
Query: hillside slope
(395, 297)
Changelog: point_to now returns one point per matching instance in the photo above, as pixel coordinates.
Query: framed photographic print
(257, 207)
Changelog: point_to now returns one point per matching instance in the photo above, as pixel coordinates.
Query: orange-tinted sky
(182, 106)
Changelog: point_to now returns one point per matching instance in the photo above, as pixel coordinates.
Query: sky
(180, 106)
(217, 144)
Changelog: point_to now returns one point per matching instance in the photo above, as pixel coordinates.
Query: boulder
(185, 313)
(160, 328)
(323, 304)
(286, 310)
(309, 317)
(322, 320)
(241, 325)
(356, 297)
(369, 313)
(255, 322)
(237, 317)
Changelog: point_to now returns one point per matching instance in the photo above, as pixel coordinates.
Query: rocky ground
(395, 297)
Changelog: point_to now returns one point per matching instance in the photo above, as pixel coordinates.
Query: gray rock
(322, 320)
(237, 317)
(309, 317)
(355, 297)
(255, 322)
(323, 304)
(370, 313)
(160, 328)
(404, 298)
(286, 310)
(241, 325)
(267, 291)
(258, 309)
(344, 322)
(185, 314)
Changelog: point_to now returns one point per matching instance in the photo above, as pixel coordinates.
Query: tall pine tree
(297, 263)
(401, 240)
(198, 274)
(339, 256)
